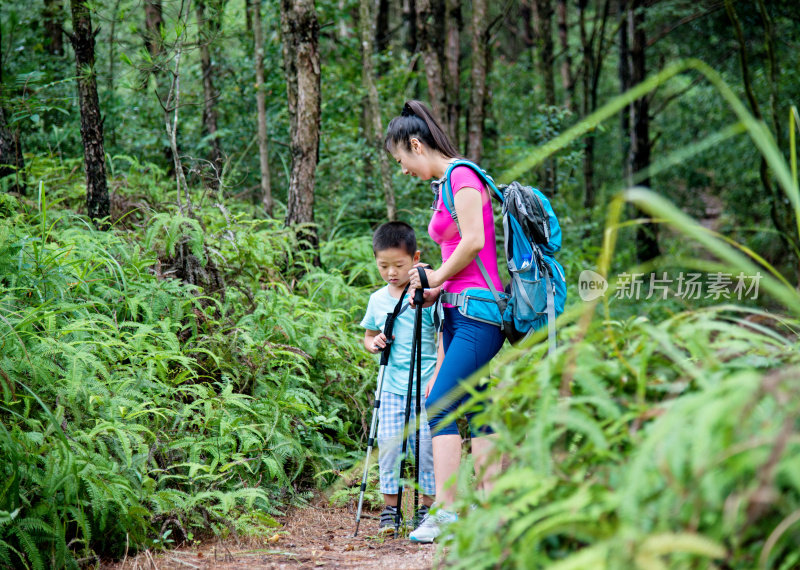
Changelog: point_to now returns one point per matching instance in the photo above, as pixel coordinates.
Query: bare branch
(685, 20)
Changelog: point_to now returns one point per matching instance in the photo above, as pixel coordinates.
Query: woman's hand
(429, 387)
(414, 282)
(429, 296)
(431, 293)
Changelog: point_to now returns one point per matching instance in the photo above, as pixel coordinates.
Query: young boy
(395, 247)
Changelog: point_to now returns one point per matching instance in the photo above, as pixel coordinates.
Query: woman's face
(414, 162)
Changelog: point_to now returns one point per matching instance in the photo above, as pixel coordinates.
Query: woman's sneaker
(432, 525)
(387, 520)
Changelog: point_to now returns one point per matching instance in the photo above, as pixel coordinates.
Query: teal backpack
(537, 291)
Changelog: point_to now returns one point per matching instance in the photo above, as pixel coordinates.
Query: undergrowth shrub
(139, 410)
(673, 446)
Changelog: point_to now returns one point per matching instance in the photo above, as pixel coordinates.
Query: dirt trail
(312, 537)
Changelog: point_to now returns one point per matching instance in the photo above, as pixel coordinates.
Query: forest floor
(310, 537)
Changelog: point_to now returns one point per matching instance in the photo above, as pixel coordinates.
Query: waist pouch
(478, 304)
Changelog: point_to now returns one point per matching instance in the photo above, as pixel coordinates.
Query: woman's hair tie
(407, 111)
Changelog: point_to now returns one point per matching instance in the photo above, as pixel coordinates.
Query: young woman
(421, 147)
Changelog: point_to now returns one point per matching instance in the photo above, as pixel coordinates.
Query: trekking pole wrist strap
(419, 296)
(423, 277)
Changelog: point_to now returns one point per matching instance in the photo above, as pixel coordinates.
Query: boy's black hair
(395, 234)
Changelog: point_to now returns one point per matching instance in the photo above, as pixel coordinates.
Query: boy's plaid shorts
(390, 440)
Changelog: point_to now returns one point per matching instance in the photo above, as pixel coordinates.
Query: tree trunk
(248, 15)
(153, 20)
(12, 162)
(171, 106)
(11, 159)
(480, 61)
(300, 30)
(97, 201)
(588, 150)
(452, 89)
(624, 70)
(431, 46)
(774, 71)
(781, 216)
(566, 61)
(543, 16)
(374, 127)
(382, 33)
(526, 10)
(208, 26)
(646, 234)
(543, 21)
(592, 68)
(112, 58)
(153, 25)
(382, 26)
(53, 16)
(261, 105)
(410, 20)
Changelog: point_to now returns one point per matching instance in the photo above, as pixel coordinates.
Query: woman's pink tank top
(443, 230)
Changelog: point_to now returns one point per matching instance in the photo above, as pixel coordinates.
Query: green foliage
(347, 496)
(139, 407)
(136, 409)
(666, 437)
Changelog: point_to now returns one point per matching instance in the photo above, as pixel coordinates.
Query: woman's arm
(439, 360)
(469, 209)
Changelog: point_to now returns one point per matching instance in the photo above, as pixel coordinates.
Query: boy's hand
(378, 344)
(429, 387)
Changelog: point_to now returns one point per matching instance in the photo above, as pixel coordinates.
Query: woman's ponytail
(416, 120)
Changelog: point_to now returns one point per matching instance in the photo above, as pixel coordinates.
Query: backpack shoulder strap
(447, 189)
(449, 203)
(398, 310)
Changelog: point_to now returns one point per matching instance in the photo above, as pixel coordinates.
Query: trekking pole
(419, 299)
(371, 439)
(388, 327)
(416, 358)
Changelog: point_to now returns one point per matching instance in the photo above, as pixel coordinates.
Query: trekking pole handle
(385, 354)
(419, 296)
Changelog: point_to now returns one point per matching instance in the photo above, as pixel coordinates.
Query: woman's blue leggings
(468, 345)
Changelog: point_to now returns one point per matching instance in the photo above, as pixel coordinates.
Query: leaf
(6, 517)
(672, 543)
(593, 557)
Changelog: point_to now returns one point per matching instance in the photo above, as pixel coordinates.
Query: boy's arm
(371, 335)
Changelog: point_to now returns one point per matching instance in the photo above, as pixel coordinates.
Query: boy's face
(394, 264)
